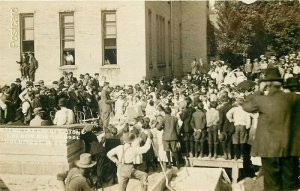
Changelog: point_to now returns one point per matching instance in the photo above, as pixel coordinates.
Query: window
(169, 43)
(180, 40)
(163, 44)
(160, 40)
(67, 38)
(109, 37)
(150, 38)
(27, 32)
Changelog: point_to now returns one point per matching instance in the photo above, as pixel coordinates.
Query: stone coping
(77, 126)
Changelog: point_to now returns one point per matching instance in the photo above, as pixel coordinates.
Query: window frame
(63, 39)
(22, 29)
(104, 35)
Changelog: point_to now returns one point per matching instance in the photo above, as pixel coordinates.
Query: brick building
(122, 40)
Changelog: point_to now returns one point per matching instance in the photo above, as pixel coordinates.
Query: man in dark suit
(170, 135)
(225, 128)
(33, 66)
(105, 107)
(95, 82)
(14, 93)
(24, 66)
(198, 123)
(187, 129)
(276, 130)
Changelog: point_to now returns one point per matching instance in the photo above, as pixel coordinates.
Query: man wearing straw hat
(77, 179)
(123, 156)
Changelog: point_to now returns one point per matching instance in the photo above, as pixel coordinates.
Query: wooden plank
(160, 185)
(215, 162)
(207, 162)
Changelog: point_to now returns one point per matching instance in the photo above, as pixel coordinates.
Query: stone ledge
(68, 67)
(111, 66)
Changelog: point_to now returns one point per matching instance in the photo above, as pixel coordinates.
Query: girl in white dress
(162, 154)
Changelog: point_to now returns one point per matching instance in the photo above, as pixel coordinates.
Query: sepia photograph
(143, 95)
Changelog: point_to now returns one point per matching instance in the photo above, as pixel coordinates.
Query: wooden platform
(219, 162)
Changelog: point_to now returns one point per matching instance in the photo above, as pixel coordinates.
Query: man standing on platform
(170, 136)
(242, 122)
(198, 123)
(105, 106)
(33, 66)
(24, 66)
(275, 137)
(225, 129)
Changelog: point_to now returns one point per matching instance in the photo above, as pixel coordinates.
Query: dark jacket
(275, 133)
(14, 93)
(171, 129)
(224, 124)
(186, 117)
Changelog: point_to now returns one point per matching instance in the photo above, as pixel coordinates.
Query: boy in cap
(198, 123)
(242, 122)
(212, 120)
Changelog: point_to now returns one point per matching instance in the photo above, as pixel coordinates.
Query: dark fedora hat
(272, 74)
(291, 82)
(18, 80)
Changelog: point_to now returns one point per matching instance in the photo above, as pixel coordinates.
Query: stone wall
(88, 39)
(39, 150)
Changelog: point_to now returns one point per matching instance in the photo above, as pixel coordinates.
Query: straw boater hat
(85, 161)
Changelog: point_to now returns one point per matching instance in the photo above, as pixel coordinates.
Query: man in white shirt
(64, 116)
(124, 155)
(242, 122)
(69, 59)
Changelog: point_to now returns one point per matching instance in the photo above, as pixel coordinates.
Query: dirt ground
(12, 182)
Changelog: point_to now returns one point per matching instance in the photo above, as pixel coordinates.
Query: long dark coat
(171, 129)
(276, 128)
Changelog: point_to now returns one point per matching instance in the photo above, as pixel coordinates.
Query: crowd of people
(204, 114)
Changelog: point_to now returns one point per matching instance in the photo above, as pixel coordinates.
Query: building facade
(125, 41)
